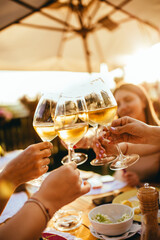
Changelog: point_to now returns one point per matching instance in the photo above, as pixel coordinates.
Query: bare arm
(142, 149)
(30, 164)
(55, 192)
(127, 129)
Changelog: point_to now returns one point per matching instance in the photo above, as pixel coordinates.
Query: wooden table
(85, 204)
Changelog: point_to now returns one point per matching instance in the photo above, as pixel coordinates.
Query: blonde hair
(150, 114)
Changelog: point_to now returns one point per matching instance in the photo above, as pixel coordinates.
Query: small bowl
(115, 211)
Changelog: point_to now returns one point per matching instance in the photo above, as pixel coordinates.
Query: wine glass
(43, 122)
(71, 123)
(78, 157)
(102, 109)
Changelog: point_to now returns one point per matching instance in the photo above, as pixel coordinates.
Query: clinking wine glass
(78, 157)
(43, 122)
(102, 109)
(71, 123)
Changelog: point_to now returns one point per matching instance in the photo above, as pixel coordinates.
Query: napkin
(53, 234)
(133, 230)
(14, 204)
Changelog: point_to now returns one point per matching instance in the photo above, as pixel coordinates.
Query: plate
(132, 231)
(132, 197)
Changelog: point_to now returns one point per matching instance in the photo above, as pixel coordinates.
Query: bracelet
(126, 149)
(43, 208)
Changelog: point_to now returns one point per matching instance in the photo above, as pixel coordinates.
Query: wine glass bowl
(43, 121)
(71, 120)
(102, 109)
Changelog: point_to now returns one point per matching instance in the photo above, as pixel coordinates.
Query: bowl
(114, 212)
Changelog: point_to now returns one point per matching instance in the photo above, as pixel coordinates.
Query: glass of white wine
(43, 122)
(102, 108)
(71, 124)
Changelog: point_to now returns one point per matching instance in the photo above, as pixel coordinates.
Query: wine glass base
(67, 220)
(126, 162)
(78, 158)
(103, 161)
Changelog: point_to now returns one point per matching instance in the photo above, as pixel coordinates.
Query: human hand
(61, 187)
(110, 149)
(88, 140)
(131, 178)
(127, 129)
(30, 164)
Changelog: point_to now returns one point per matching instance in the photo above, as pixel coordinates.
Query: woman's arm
(141, 149)
(127, 129)
(56, 191)
(30, 164)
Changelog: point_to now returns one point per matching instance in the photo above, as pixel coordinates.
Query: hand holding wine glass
(102, 109)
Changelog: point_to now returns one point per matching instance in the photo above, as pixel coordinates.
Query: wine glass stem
(70, 153)
(119, 152)
(96, 130)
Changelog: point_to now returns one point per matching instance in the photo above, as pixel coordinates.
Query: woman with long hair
(133, 101)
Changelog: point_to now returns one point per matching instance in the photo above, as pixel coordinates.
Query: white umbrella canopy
(75, 35)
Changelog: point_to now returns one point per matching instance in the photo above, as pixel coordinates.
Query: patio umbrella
(75, 35)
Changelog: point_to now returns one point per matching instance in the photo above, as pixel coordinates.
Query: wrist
(153, 135)
(49, 204)
(9, 176)
(7, 187)
(43, 208)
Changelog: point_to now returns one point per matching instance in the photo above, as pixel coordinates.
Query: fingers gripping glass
(102, 109)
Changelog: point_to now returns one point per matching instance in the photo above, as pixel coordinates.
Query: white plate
(132, 231)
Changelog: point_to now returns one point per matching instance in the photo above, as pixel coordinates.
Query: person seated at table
(30, 164)
(132, 100)
(61, 187)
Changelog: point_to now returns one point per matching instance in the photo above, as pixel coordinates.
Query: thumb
(85, 188)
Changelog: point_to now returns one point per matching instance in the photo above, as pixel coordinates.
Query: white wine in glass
(101, 112)
(43, 122)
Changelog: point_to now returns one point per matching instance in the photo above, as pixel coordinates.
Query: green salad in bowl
(111, 219)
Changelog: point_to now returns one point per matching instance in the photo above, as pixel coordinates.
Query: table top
(85, 204)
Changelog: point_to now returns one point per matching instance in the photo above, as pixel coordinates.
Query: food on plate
(137, 211)
(95, 183)
(133, 204)
(124, 217)
(127, 202)
(103, 218)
